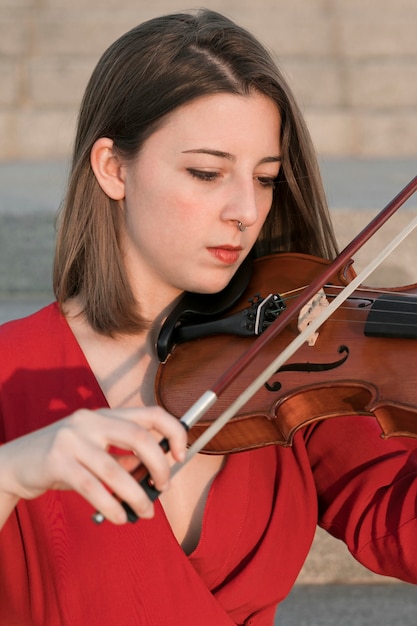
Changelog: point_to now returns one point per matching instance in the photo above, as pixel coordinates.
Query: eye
(266, 181)
(205, 176)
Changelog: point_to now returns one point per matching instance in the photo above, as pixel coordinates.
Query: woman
(190, 155)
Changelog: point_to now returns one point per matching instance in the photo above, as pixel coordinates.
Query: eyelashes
(211, 176)
(267, 181)
(205, 176)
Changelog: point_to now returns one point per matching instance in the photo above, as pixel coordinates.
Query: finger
(122, 474)
(157, 419)
(90, 433)
(101, 481)
(148, 453)
(71, 452)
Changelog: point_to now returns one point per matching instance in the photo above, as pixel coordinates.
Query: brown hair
(147, 73)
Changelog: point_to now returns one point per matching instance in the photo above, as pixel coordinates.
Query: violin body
(349, 370)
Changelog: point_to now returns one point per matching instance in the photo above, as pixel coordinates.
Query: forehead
(224, 118)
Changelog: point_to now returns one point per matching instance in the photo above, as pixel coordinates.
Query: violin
(357, 366)
(359, 363)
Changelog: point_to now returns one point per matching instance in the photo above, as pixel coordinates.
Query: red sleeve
(367, 492)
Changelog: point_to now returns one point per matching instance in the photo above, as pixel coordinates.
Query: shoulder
(17, 327)
(30, 336)
(47, 317)
(43, 375)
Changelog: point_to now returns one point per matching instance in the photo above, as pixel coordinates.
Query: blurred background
(353, 67)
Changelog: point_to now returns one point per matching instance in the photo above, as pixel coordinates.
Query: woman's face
(211, 165)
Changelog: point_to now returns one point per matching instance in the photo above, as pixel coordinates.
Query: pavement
(349, 605)
(332, 590)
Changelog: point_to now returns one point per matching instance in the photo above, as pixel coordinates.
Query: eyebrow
(228, 156)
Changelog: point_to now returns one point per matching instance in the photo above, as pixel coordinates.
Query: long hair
(154, 68)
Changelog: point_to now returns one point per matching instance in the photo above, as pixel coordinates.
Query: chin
(210, 282)
(212, 287)
(209, 286)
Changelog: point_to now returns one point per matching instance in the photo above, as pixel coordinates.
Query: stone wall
(353, 66)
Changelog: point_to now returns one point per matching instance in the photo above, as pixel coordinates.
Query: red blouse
(57, 568)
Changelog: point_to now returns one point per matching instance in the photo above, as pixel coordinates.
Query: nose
(241, 206)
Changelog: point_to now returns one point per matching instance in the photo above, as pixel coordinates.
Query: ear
(108, 168)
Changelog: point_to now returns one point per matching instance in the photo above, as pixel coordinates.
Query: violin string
(364, 311)
(362, 318)
(288, 295)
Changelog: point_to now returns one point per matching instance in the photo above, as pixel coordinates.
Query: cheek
(154, 224)
(163, 205)
(264, 208)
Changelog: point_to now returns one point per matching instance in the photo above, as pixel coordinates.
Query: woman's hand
(73, 454)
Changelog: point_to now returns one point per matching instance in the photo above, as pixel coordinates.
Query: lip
(226, 254)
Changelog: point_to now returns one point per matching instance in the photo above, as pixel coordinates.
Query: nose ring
(241, 227)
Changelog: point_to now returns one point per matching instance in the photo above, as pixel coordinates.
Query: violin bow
(210, 397)
(292, 347)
